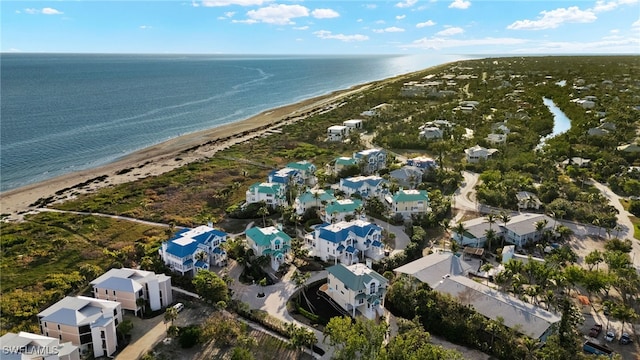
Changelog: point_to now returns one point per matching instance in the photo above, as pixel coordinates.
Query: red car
(595, 330)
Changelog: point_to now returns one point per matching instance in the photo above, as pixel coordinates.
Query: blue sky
(322, 27)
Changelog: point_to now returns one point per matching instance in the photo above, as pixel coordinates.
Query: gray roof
(525, 223)
(527, 318)
(355, 276)
(432, 268)
(77, 311)
(124, 279)
(33, 345)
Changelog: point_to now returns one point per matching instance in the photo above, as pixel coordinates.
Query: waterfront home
(432, 268)
(422, 162)
(270, 241)
(337, 133)
(430, 133)
(364, 186)
(128, 285)
(344, 241)
(357, 289)
(407, 176)
(306, 170)
(409, 202)
(191, 250)
(86, 322)
(24, 346)
(478, 153)
(353, 124)
(520, 230)
(312, 198)
(340, 210)
(373, 159)
(272, 194)
(527, 200)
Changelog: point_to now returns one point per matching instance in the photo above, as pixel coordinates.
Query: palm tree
(300, 280)
(263, 211)
(491, 237)
(540, 225)
(486, 267)
(505, 218)
(170, 314)
(491, 219)
(460, 229)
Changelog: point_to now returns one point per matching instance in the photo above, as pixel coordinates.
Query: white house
(337, 132)
(432, 268)
(273, 194)
(430, 133)
(345, 241)
(409, 202)
(27, 346)
(527, 200)
(341, 163)
(128, 285)
(271, 242)
(86, 322)
(312, 198)
(338, 210)
(356, 288)
(285, 177)
(496, 138)
(353, 124)
(519, 230)
(407, 176)
(365, 186)
(190, 250)
(422, 162)
(477, 153)
(374, 159)
(306, 170)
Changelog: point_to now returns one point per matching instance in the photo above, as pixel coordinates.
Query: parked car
(610, 336)
(625, 339)
(595, 330)
(179, 307)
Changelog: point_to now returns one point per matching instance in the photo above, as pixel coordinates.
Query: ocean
(61, 113)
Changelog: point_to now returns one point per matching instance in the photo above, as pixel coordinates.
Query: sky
(322, 27)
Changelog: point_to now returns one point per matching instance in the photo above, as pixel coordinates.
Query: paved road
(145, 335)
(465, 197)
(402, 239)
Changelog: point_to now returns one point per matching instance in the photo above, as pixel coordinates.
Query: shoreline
(166, 156)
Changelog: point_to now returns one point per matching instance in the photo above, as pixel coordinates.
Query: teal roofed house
(269, 241)
(307, 170)
(312, 198)
(357, 289)
(409, 202)
(337, 210)
(273, 194)
(341, 163)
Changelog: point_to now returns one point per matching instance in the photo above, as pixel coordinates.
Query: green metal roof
(264, 236)
(346, 161)
(301, 165)
(411, 195)
(266, 188)
(343, 206)
(308, 197)
(353, 281)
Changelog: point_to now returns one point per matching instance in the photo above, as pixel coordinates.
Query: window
(372, 288)
(60, 336)
(102, 334)
(116, 321)
(106, 292)
(45, 324)
(115, 312)
(58, 326)
(114, 293)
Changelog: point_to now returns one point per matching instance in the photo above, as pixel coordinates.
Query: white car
(610, 336)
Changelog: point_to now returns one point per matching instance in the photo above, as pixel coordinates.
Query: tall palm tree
(491, 219)
(460, 229)
(505, 218)
(540, 225)
(263, 211)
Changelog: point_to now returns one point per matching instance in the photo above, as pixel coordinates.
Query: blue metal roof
(340, 248)
(377, 243)
(188, 262)
(181, 250)
(351, 249)
(201, 264)
(186, 249)
(217, 250)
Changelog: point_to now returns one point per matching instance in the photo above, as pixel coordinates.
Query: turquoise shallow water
(67, 112)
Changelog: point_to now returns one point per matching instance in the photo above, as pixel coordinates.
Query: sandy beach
(165, 156)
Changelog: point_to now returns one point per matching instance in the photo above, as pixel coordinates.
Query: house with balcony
(353, 124)
(346, 242)
(271, 242)
(373, 159)
(25, 346)
(306, 170)
(409, 202)
(477, 153)
(271, 193)
(357, 289)
(338, 210)
(407, 176)
(128, 285)
(313, 198)
(286, 176)
(191, 250)
(364, 186)
(88, 323)
(422, 162)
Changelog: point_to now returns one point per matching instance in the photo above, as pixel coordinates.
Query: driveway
(402, 239)
(465, 197)
(144, 336)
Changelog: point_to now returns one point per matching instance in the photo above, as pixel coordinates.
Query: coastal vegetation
(51, 255)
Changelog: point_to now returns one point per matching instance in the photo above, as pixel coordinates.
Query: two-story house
(128, 285)
(364, 186)
(307, 171)
(86, 322)
(194, 249)
(312, 198)
(338, 210)
(372, 160)
(409, 202)
(269, 241)
(357, 289)
(340, 163)
(273, 194)
(422, 162)
(477, 153)
(286, 177)
(345, 241)
(337, 133)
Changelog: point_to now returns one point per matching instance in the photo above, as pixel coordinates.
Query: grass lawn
(634, 220)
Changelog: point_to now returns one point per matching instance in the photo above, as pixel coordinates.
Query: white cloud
(450, 31)
(554, 18)
(602, 6)
(392, 29)
(300, 28)
(218, 3)
(460, 4)
(406, 3)
(614, 31)
(324, 14)
(229, 14)
(636, 23)
(441, 43)
(324, 34)
(145, 27)
(44, 11)
(425, 24)
(278, 14)
(371, 6)
(400, 17)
